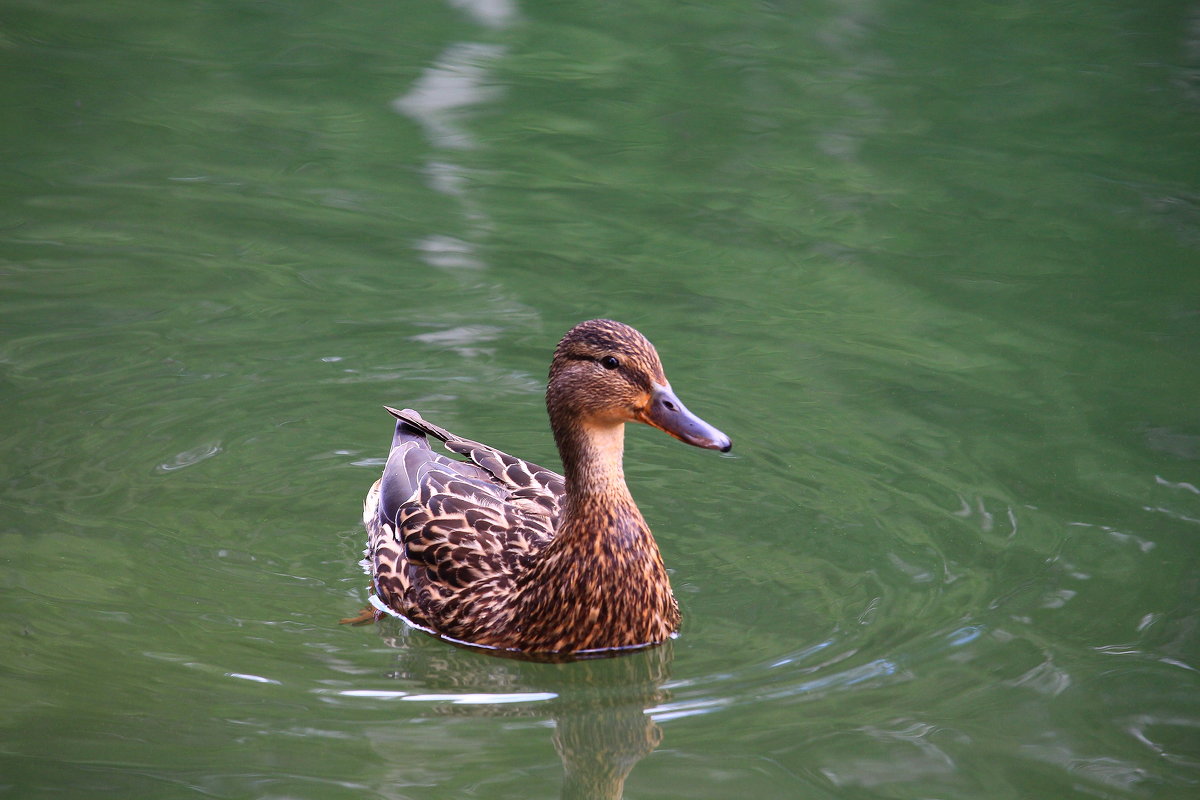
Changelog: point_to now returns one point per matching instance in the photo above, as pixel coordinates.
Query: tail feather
(413, 421)
(407, 432)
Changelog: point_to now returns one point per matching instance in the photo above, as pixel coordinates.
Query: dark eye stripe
(608, 362)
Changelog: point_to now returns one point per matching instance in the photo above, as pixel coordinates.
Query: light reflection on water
(456, 699)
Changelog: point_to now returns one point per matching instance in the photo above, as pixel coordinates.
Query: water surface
(936, 270)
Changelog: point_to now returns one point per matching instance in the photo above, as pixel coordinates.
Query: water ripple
(190, 457)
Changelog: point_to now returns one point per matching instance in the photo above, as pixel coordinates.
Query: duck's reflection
(601, 728)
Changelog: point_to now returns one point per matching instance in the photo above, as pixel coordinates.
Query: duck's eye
(610, 362)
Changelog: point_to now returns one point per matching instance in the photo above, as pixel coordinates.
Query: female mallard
(498, 552)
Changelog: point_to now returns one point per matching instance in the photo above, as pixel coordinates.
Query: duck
(492, 551)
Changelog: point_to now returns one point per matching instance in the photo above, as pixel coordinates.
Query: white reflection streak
(455, 699)
(439, 101)
(985, 517)
(875, 670)
(668, 711)
(1104, 770)
(1142, 544)
(245, 676)
(448, 252)
(191, 457)
(440, 97)
(492, 13)
(1161, 481)
(1045, 679)
(1169, 513)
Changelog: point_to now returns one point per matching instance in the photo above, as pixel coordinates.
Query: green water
(934, 268)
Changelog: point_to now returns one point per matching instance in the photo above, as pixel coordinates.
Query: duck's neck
(592, 463)
(601, 582)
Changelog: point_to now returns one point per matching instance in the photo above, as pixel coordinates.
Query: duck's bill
(668, 414)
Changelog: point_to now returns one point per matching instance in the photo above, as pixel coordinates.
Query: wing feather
(462, 528)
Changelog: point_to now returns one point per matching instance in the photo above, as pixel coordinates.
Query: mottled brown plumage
(498, 552)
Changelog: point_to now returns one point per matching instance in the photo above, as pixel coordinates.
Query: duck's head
(605, 373)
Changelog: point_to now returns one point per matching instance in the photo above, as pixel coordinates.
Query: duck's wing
(535, 489)
(411, 461)
(443, 527)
